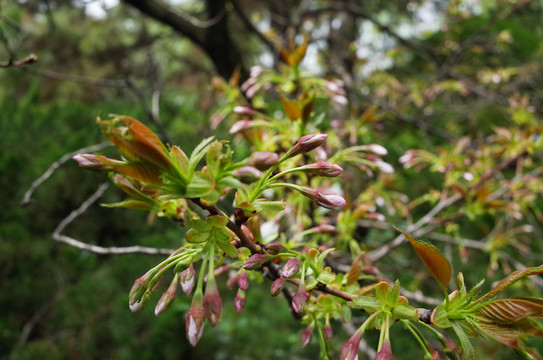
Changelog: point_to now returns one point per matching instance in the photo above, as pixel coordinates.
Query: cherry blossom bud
(186, 279)
(240, 300)
(212, 302)
(167, 298)
(248, 233)
(299, 299)
(323, 168)
(137, 291)
(244, 110)
(386, 352)
(307, 143)
(325, 229)
(276, 248)
(329, 199)
(255, 261)
(307, 335)
(277, 286)
(328, 332)
(240, 126)
(243, 281)
(194, 320)
(96, 162)
(263, 160)
(349, 350)
(247, 174)
(291, 267)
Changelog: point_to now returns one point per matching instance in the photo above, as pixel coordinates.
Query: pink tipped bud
(137, 292)
(349, 350)
(275, 248)
(307, 143)
(248, 233)
(277, 286)
(328, 332)
(167, 298)
(186, 279)
(212, 302)
(329, 199)
(96, 162)
(325, 229)
(247, 174)
(306, 336)
(386, 351)
(244, 110)
(243, 281)
(323, 168)
(255, 262)
(263, 160)
(291, 268)
(240, 300)
(194, 320)
(299, 299)
(240, 126)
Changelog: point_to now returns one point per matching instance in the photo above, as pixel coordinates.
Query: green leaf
(182, 163)
(368, 303)
(132, 204)
(195, 236)
(198, 153)
(404, 311)
(200, 185)
(439, 317)
(213, 158)
(438, 265)
(326, 277)
(511, 279)
(265, 205)
(465, 343)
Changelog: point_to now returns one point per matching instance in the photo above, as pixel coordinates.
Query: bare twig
(58, 236)
(32, 58)
(54, 166)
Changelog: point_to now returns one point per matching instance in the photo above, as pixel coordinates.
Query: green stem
(418, 336)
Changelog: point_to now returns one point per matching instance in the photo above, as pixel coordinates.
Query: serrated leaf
(465, 343)
(439, 317)
(512, 310)
(404, 311)
(200, 185)
(507, 334)
(354, 271)
(368, 303)
(438, 265)
(217, 221)
(131, 204)
(213, 158)
(511, 279)
(195, 236)
(182, 161)
(265, 205)
(199, 152)
(144, 172)
(326, 277)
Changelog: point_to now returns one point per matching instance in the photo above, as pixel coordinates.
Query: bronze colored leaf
(511, 279)
(512, 310)
(292, 110)
(354, 271)
(438, 265)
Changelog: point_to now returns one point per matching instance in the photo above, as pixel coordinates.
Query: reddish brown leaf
(507, 334)
(291, 109)
(354, 271)
(438, 265)
(511, 279)
(512, 310)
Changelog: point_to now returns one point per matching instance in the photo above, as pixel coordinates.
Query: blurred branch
(27, 198)
(58, 236)
(32, 58)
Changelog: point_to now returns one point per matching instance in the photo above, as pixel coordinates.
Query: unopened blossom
(167, 298)
(276, 248)
(328, 332)
(324, 229)
(386, 351)
(299, 299)
(307, 143)
(94, 162)
(240, 300)
(137, 291)
(212, 302)
(306, 336)
(255, 261)
(291, 267)
(323, 168)
(247, 174)
(263, 160)
(277, 286)
(329, 199)
(194, 320)
(243, 281)
(240, 126)
(186, 279)
(244, 110)
(349, 350)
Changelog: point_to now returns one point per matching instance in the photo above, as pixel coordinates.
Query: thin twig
(54, 166)
(58, 236)
(32, 58)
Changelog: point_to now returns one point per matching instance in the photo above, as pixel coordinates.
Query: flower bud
(186, 279)
(275, 248)
(255, 261)
(247, 174)
(307, 143)
(386, 351)
(299, 299)
(167, 298)
(96, 162)
(328, 332)
(137, 291)
(263, 160)
(240, 300)
(291, 267)
(349, 350)
(243, 281)
(325, 229)
(194, 320)
(306, 336)
(323, 168)
(240, 126)
(244, 110)
(212, 302)
(329, 199)
(277, 286)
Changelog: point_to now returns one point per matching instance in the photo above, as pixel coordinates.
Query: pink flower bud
(277, 286)
(306, 336)
(275, 248)
(244, 110)
(263, 160)
(386, 352)
(240, 126)
(239, 300)
(212, 302)
(329, 199)
(307, 143)
(137, 291)
(299, 299)
(247, 174)
(194, 320)
(323, 168)
(349, 350)
(328, 332)
(325, 229)
(186, 279)
(167, 298)
(255, 261)
(96, 162)
(248, 233)
(243, 281)
(291, 268)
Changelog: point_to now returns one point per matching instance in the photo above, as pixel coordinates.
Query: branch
(32, 58)
(58, 236)
(54, 166)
